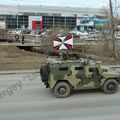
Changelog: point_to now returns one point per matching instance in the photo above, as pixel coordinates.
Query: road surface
(24, 97)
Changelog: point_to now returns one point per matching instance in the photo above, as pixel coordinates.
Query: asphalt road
(24, 97)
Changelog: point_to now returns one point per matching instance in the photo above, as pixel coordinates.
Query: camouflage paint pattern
(79, 74)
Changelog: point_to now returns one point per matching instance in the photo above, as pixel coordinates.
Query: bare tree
(112, 28)
(113, 14)
(104, 29)
(116, 8)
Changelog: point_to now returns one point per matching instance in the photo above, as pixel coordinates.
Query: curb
(114, 66)
(18, 72)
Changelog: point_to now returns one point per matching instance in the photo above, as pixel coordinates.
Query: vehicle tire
(44, 73)
(110, 86)
(62, 90)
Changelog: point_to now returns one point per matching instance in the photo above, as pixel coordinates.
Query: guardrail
(11, 36)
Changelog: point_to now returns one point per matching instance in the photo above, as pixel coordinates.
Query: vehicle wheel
(62, 90)
(110, 86)
(44, 73)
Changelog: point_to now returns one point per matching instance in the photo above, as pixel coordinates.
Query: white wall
(33, 18)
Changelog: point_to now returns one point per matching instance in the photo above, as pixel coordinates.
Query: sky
(69, 3)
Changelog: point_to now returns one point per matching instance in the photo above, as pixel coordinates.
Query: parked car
(26, 31)
(117, 35)
(17, 31)
(77, 33)
(38, 32)
(93, 34)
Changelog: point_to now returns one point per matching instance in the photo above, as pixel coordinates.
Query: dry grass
(12, 58)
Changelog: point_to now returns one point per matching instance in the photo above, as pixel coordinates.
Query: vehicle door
(94, 75)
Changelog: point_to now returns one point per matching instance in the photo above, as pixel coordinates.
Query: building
(41, 17)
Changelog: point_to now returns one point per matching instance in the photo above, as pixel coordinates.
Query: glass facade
(15, 21)
(18, 21)
(58, 22)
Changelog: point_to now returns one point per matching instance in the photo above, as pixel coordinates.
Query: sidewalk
(18, 72)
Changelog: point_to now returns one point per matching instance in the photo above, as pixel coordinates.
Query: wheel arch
(115, 78)
(63, 81)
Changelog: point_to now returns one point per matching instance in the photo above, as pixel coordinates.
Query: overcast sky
(86, 3)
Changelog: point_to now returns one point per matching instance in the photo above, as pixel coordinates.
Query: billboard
(2, 24)
(101, 22)
(85, 21)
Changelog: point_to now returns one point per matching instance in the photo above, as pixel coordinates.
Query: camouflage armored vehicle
(64, 75)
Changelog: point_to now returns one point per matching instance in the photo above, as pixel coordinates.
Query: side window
(94, 70)
(63, 69)
(79, 68)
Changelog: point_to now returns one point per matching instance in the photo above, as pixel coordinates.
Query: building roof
(50, 10)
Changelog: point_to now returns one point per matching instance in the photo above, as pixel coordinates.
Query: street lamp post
(17, 20)
(18, 3)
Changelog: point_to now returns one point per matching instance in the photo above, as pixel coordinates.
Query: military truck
(64, 75)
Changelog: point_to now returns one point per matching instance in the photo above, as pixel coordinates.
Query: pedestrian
(23, 39)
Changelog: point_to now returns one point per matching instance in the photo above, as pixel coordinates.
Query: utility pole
(113, 31)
